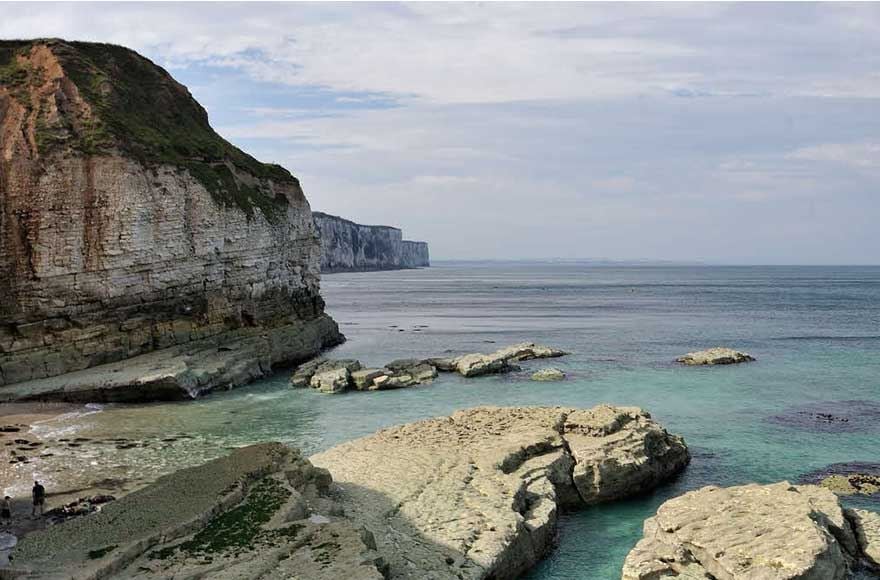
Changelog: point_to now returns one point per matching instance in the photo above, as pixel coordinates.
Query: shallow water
(815, 332)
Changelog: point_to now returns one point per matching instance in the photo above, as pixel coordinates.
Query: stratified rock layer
(476, 495)
(773, 532)
(350, 247)
(260, 512)
(127, 225)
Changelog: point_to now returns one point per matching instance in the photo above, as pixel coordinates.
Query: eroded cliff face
(128, 225)
(350, 247)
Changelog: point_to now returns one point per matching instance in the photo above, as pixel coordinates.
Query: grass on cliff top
(239, 528)
(143, 112)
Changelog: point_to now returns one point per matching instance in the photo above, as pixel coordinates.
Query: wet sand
(20, 460)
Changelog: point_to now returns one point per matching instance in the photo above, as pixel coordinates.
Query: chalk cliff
(129, 226)
(350, 247)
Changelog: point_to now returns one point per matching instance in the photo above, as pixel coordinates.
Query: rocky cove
(139, 271)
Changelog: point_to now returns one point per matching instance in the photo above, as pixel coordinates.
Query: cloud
(707, 131)
(492, 53)
(860, 155)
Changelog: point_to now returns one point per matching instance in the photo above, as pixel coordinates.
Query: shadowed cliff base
(188, 371)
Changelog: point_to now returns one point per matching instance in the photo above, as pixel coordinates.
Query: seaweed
(239, 528)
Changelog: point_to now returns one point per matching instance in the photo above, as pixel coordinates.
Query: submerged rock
(779, 531)
(476, 495)
(831, 417)
(856, 483)
(548, 374)
(715, 356)
(261, 512)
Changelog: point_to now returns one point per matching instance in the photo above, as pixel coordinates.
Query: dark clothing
(5, 514)
(39, 493)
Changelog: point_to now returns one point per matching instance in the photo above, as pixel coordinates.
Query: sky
(713, 132)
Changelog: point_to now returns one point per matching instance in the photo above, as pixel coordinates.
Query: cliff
(350, 247)
(128, 226)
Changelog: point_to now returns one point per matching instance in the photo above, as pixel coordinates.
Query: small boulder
(302, 376)
(715, 356)
(331, 381)
(548, 374)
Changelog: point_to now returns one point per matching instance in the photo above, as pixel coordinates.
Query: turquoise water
(815, 332)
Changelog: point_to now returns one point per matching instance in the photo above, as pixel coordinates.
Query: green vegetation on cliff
(140, 110)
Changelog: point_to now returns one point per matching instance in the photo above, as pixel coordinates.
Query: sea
(809, 404)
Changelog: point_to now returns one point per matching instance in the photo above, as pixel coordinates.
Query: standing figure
(6, 510)
(39, 494)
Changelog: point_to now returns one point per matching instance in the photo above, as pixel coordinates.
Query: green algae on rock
(256, 512)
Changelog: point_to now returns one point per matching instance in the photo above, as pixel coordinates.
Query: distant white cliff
(350, 247)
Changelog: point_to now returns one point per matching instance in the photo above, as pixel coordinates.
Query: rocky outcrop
(350, 247)
(548, 374)
(779, 531)
(261, 512)
(715, 356)
(337, 376)
(502, 360)
(476, 495)
(128, 226)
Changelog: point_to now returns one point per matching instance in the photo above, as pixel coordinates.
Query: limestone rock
(326, 375)
(303, 374)
(502, 360)
(418, 371)
(548, 374)
(185, 371)
(867, 528)
(331, 381)
(620, 451)
(350, 247)
(261, 512)
(444, 364)
(852, 483)
(128, 230)
(779, 531)
(476, 495)
(715, 356)
(364, 378)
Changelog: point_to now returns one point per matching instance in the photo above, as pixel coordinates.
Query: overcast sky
(730, 133)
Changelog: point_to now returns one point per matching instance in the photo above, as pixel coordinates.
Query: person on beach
(6, 510)
(39, 494)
